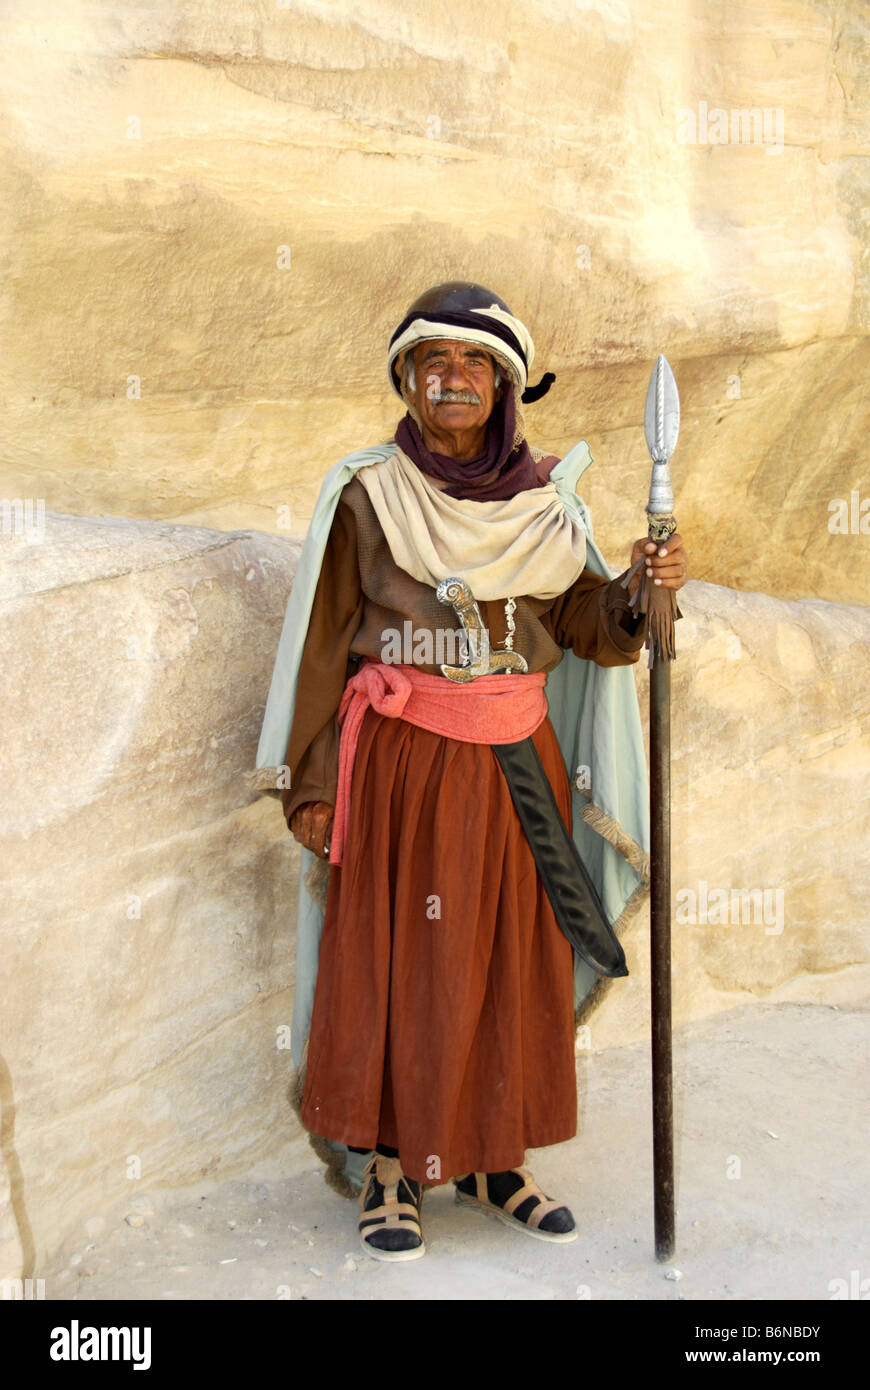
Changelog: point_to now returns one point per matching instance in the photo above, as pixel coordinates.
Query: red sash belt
(490, 709)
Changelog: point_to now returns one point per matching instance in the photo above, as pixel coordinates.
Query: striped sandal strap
(391, 1212)
(391, 1216)
(530, 1189)
(543, 1209)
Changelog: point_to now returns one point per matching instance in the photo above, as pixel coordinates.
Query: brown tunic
(443, 1012)
(362, 593)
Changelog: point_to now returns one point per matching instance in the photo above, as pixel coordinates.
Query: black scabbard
(575, 902)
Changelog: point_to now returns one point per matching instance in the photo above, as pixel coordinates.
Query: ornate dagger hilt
(485, 662)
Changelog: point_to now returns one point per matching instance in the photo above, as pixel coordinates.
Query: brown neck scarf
(499, 472)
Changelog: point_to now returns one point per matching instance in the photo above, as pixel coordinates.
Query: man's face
(445, 367)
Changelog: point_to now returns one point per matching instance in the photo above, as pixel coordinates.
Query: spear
(661, 422)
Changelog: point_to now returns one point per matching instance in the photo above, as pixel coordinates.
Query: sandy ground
(772, 1194)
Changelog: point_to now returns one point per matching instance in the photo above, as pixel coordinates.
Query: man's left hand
(666, 564)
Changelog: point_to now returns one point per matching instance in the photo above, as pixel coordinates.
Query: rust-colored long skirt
(443, 1019)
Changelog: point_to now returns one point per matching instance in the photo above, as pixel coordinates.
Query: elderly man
(442, 1031)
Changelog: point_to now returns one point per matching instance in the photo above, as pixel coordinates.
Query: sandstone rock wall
(213, 217)
(147, 925)
(770, 811)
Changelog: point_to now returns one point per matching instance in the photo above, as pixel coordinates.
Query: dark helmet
(456, 295)
(461, 309)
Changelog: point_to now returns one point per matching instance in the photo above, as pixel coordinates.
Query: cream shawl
(527, 544)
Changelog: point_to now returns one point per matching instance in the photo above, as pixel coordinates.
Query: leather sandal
(389, 1227)
(475, 1193)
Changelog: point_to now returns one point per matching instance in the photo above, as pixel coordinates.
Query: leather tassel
(661, 606)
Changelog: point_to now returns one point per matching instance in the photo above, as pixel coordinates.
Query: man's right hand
(311, 824)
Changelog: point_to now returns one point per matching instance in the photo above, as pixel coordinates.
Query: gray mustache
(456, 398)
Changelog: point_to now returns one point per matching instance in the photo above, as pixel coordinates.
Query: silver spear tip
(661, 416)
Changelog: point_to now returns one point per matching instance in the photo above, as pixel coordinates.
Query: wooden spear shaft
(661, 427)
(660, 958)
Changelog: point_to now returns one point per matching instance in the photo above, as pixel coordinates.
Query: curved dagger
(458, 595)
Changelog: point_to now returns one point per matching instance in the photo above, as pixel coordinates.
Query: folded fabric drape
(489, 709)
(529, 544)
